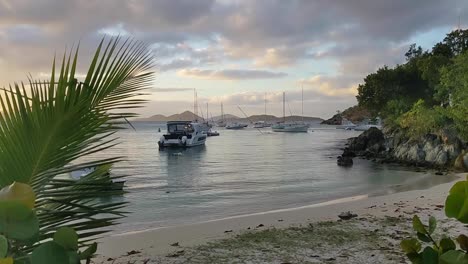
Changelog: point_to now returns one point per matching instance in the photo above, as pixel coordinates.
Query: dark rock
(176, 244)
(133, 252)
(371, 138)
(348, 153)
(347, 215)
(260, 225)
(228, 231)
(344, 161)
(439, 173)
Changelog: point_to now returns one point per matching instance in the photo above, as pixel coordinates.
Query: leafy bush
(421, 120)
(445, 250)
(19, 228)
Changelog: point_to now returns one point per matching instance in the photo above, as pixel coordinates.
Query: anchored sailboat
(264, 123)
(300, 127)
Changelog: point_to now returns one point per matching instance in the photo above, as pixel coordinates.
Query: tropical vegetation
(49, 129)
(427, 93)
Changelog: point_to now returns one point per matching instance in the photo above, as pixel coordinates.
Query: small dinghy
(117, 185)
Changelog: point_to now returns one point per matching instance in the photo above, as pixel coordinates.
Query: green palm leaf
(54, 128)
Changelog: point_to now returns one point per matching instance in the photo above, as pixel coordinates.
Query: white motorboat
(183, 134)
(346, 124)
(235, 125)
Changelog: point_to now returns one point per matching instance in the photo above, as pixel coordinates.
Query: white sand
(157, 242)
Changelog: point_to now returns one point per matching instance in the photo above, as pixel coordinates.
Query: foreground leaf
(430, 256)
(418, 225)
(8, 260)
(410, 245)
(49, 253)
(18, 221)
(67, 238)
(456, 204)
(89, 252)
(3, 246)
(447, 244)
(454, 257)
(18, 192)
(463, 241)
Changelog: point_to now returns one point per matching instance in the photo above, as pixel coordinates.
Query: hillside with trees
(427, 94)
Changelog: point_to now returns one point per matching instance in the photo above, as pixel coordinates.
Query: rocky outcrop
(334, 120)
(443, 150)
(344, 161)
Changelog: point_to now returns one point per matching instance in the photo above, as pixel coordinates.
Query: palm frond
(52, 129)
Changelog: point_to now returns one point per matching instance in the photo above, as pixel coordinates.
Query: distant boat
(261, 124)
(346, 124)
(78, 174)
(212, 133)
(298, 127)
(182, 134)
(236, 126)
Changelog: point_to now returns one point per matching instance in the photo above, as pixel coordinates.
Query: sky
(238, 52)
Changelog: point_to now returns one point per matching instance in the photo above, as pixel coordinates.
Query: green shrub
(421, 120)
(445, 250)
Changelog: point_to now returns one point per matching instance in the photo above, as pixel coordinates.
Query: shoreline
(157, 242)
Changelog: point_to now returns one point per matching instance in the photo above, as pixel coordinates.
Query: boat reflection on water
(183, 167)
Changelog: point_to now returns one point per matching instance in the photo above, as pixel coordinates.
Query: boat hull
(292, 130)
(176, 143)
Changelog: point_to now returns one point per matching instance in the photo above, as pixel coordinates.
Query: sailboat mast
(284, 109)
(194, 104)
(302, 114)
(222, 112)
(265, 106)
(206, 111)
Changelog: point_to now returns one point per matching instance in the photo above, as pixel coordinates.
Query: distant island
(188, 115)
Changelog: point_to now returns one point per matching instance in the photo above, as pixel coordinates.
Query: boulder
(461, 163)
(368, 138)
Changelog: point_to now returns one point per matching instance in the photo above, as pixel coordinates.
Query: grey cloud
(231, 74)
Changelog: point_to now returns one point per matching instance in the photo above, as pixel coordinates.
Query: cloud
(170, 90)
(268, 37)
(175, 64)
(231, 74)
(335, 86)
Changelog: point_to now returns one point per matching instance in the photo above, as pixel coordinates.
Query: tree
(457, 41)
(51, 129)
(413, 52)
(454, 91)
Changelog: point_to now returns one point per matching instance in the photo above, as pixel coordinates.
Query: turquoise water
(244, 171)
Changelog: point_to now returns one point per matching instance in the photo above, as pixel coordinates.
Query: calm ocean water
(242, 172)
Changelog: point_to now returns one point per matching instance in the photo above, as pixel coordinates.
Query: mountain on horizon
(188, 116)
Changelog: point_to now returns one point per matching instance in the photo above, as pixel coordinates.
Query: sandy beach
(161, 243)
